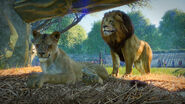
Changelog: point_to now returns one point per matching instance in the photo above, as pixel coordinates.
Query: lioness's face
(45, 44)
(110, 23)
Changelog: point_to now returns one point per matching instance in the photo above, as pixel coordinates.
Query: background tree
(94, 43)
(74, 39)
(145, 30)
(70, 41)
(172, 28)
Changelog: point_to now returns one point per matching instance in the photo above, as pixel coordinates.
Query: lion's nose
(105, 26)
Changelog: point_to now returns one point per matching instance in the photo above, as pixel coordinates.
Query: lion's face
(46, 45)
(110, 23)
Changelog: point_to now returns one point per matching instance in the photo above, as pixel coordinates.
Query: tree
(153, 37)
(172, 28)
(43, 25)
(94, 43)
(70, 40)
(74, 39)
(145, 30)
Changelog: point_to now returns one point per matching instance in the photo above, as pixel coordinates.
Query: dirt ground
(146, 89)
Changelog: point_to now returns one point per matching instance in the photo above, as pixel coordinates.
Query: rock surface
(14, 33)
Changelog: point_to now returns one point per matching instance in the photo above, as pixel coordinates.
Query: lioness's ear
(55, 35)
(35, 33)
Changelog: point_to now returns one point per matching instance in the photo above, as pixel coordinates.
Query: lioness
(118, 32)
(57, 67)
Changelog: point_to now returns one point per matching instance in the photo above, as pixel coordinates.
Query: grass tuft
(171, 71)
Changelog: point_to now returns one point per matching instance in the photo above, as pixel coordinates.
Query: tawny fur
(118, 32)
(57, 67)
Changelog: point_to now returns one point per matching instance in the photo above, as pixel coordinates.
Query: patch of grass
(179, 72)
(171, 71)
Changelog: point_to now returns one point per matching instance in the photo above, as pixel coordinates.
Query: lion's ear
(55, 35)
(35, 34)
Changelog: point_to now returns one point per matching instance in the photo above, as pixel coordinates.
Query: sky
(154, 13)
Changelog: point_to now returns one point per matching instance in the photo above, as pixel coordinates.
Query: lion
(58, 68)
(118, 32)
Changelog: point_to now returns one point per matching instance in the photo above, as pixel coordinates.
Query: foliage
(94, 43)
(172, 28)
(71, 40)
(145, 30)
(140, 4)
(169, 35)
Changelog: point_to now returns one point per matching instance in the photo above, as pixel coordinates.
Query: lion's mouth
(108, 32)
(44, 59)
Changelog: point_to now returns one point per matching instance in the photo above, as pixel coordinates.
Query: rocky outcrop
(14, 37)
(43, 9)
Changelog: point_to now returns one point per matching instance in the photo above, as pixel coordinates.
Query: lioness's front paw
(115, 75)
(126, 75)
(35, 80)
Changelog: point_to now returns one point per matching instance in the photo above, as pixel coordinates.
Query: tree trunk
(14, 37)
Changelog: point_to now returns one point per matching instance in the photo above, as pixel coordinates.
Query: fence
(162, 59)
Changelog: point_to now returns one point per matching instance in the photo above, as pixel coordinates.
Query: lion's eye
(37, 45)
(49, 46)
(110, 21)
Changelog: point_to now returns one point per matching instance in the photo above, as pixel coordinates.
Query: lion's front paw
(127, 75)
(35, 80)
(115, 75)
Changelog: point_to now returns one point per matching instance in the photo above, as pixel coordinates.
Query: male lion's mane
(128, 32)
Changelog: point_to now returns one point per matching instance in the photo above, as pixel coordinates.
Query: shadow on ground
(13, 90)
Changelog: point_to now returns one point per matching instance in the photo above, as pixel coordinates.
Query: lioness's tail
(97, 69)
